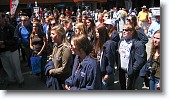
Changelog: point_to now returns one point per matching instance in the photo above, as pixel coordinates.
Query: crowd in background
(81, 50)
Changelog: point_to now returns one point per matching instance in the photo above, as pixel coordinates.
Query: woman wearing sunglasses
(131, 57)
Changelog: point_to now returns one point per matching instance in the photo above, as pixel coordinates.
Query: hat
(144, 7)
(109, 21)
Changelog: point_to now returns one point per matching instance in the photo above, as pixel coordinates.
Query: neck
(82, 56)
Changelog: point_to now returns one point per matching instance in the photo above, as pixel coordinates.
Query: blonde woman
(59, 67)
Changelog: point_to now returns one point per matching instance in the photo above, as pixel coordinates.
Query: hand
(50, 72)
(67, 87)
(158, 86)
(105, 77)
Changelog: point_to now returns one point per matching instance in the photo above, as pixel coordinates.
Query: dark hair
(2, 15)
(82, 42)
(103, 37)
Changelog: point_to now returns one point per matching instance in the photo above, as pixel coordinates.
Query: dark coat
(137, 56)
(108, 58)
(88, 76)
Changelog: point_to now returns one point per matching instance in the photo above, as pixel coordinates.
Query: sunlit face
(127, 33)
(156, 39)
(74, 49)
(77, 31)
(88, 23)
(55, 38)
(97, 34)
(35, 27)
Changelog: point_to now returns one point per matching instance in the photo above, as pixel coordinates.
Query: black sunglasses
(126, 30)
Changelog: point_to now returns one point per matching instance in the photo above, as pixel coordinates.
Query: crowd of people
(81, 50)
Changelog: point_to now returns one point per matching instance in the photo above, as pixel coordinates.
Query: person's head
(128, 31)
(144, 8)
(80, 28)
(157, 17)
(90, 23)
(80, 44)
(155, 44)
(53, 23)
(36, 27)
(84, 18)
(156, 39)
(100, 17)
(105, 16)
(101, 37)
(24, 20)
(2, 18)
(132, 20)
(58, 34)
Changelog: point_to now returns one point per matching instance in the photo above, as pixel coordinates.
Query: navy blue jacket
(51, 81)
(88, 76)
(108, 58)
(137, 56)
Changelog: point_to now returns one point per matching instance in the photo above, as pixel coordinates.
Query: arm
(139, 56)
(44, 45)
(66, 62)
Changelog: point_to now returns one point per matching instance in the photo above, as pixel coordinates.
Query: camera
(152, 70)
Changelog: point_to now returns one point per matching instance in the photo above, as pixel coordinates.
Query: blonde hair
(82, 28)
(59, 30)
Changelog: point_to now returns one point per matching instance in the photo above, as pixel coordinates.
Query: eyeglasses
(126, 30)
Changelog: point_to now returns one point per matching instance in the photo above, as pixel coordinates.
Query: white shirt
(124, 51)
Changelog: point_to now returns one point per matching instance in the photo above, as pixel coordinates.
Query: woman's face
(88, 23)
(127, 32)
(74, 49)
(55, 38)
(77, 31)
(35, 27)
(156, 39)
(97, 34)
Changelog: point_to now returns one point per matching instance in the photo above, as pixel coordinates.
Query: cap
(109, 21)
(144, 7)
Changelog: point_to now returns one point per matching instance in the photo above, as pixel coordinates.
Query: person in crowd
(100, 19)
(79, 19)
(113, 35)
(9, 54)
(84, 18)
(141, 35)
(155, 25)
(69, 30)
(38, 44)
(91, 29)
(116, 16)
(105, 50)
(58, 69)
(78, 12)
(80, 28)
(96, 15)
(143, 18)
(24, 37)
(105, 16)
(131, 57)
(86, 73)
(151, 70)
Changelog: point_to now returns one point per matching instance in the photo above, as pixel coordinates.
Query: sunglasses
(126, 30)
